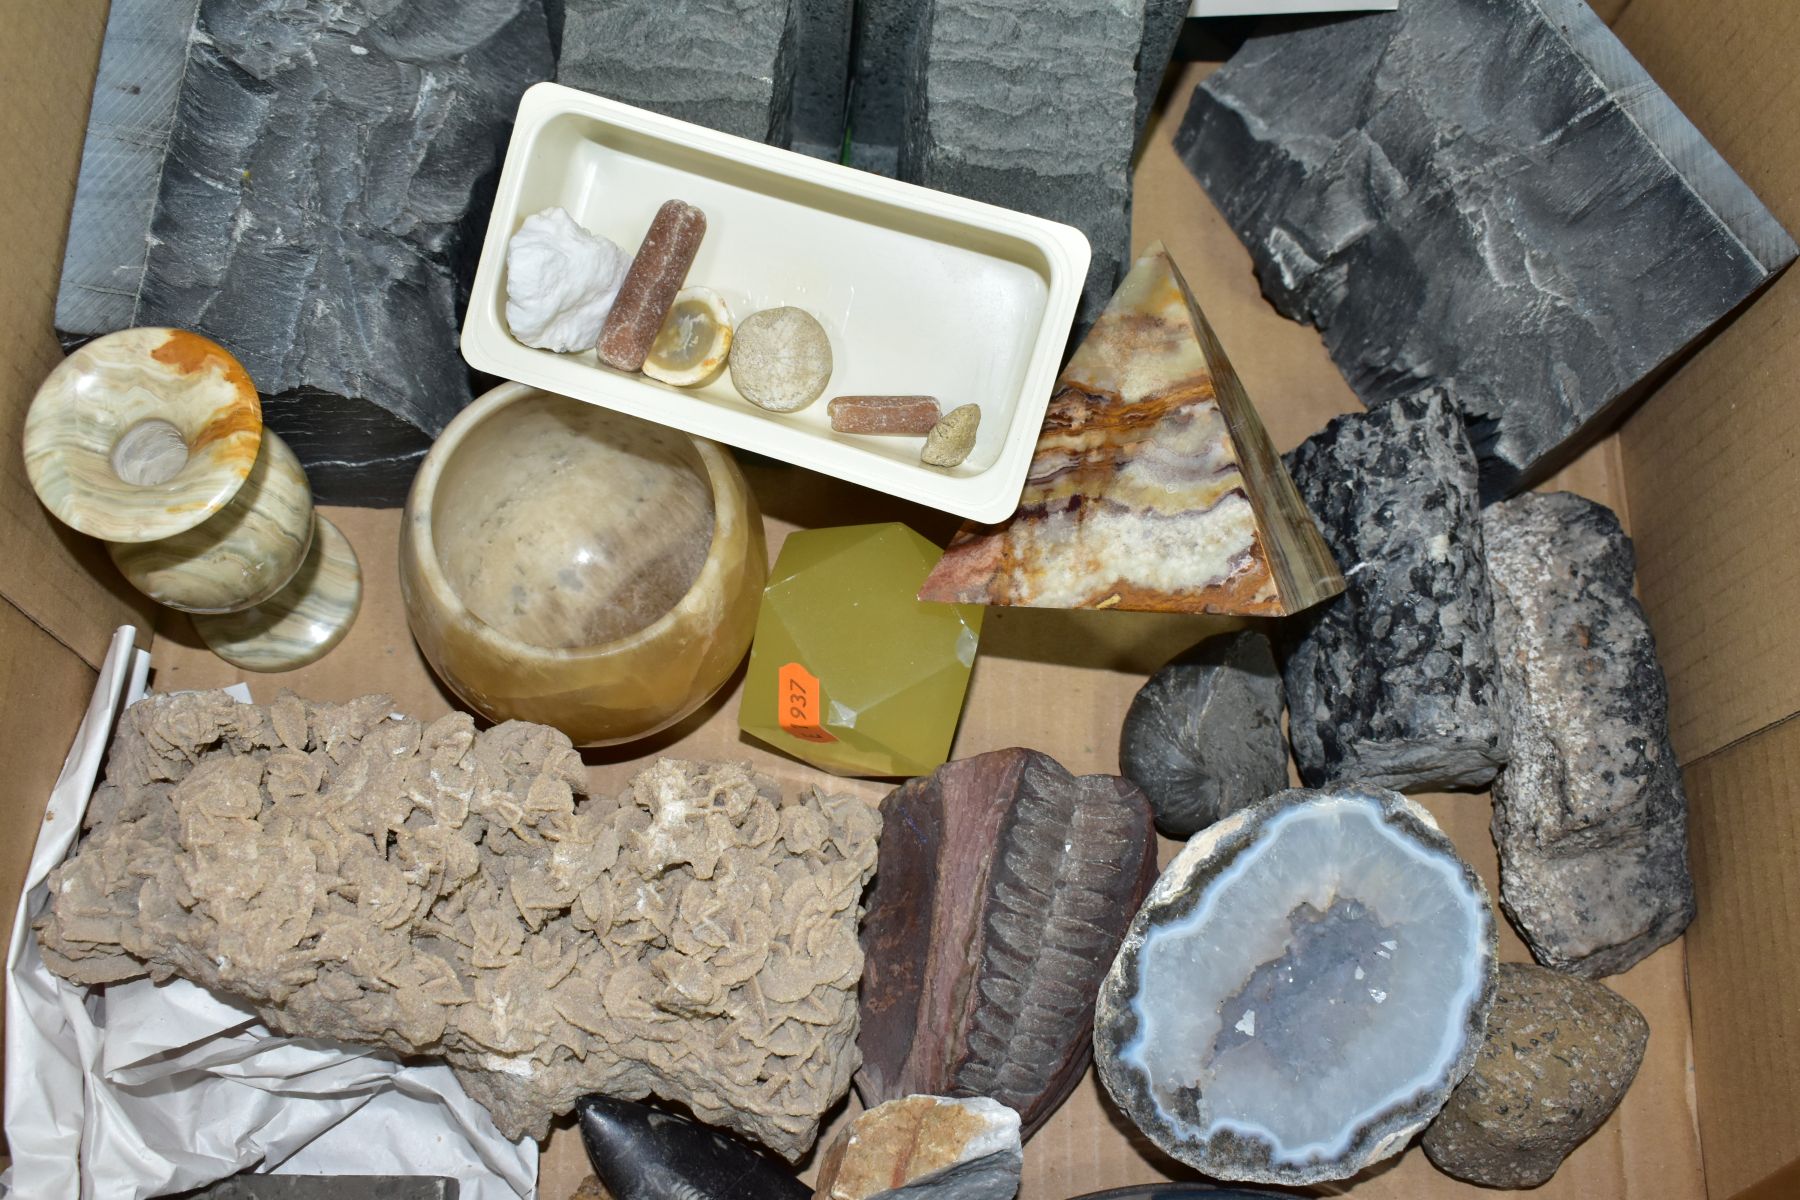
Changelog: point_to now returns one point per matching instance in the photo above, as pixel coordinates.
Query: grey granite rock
(1589, 815)
(1559, 1054)
(725, 64)
(822, 77)
(1393, 683)
(1162, 29)
(1491, 195)
(309, 193)
(1032, 105)
(1203, 737)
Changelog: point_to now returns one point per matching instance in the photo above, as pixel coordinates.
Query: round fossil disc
(1305, 985)
(780, 359)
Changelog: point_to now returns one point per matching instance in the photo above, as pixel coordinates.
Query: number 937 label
(797, 704)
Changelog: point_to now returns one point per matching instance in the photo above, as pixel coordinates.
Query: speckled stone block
(1393, 683)
(1490, 195)
(726, 64)
(1589, 815)
(307, 193)
(1559, 1055)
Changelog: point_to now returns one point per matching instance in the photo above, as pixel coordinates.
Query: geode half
(1004, 886)
(1305, 985)
(435, 890)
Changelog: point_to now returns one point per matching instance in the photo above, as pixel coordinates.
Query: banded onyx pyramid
(1154, 486)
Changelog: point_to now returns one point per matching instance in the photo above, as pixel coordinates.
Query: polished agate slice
(1153, 486)
(1306, 983)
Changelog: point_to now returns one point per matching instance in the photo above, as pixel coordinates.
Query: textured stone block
(1162, 29)
(1032, 104)
(725, 64)
(822, 76)
(1393, 683)
(999, 899)
(1490, 195)
(308, 194)
(1589, 815)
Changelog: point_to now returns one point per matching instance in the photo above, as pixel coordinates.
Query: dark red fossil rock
(1003, 890)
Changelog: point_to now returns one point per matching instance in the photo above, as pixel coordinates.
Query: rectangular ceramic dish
(921, 292)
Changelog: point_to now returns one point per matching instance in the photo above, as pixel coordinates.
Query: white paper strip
(139, 1090)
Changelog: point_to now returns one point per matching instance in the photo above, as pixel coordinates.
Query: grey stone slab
(1162, 29)
(1202, 737)
(330, 1187)
(726, 64)
(314, 199)
(822, 77)
(1490, 195)
(886, 48)
(1589, 816)
(1032, 105)
(1393, 683)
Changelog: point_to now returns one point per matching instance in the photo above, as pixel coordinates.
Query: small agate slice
(1305, 985)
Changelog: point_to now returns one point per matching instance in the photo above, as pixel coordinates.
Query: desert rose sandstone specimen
(1306, 983)
(725, 64)
(998, 903)
(1153, 485)
(1589, 815)
(1032, 105)
(925, 1148)
(644, 1153)
(1203, 736)
(438, 890)
(306, 192)
(1572, 235)
(1559, 1054)
(1394, 682)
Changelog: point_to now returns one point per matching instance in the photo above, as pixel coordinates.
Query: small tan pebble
(780, 359)
(591, 1189)
(896, 416)
(951, 439)
(695, 337)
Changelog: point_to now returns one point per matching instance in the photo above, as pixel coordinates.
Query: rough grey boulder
(1203, 737)
(1032, 105)
(1393, 683)
(725, 64)
(309, 193)
(1491, 195)
(1559, 1054)
(1589, 815)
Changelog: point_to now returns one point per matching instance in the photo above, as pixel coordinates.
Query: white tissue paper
(139, 1089)
(561, 282)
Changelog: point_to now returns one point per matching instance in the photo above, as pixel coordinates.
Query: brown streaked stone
(925, 1148)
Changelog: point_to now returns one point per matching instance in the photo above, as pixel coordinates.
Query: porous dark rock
(822, 76)
(645, 1153)
(1559, 1054)
(1203, 736)
(725, 64)
(998, 902)
(1032, 105)
(308, 193)
(1589, 816)
(1490, 195)
(1304, 986)
(1393, 683)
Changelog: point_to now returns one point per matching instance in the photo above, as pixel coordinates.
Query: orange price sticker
(797, 704)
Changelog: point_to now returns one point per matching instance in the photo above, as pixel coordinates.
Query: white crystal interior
(1379, 1023)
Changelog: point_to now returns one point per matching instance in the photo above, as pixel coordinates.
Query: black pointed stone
(644, 1153)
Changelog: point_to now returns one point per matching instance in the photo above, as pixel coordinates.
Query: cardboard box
(1706, 473)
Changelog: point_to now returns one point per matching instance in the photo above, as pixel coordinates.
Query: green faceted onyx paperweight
(849, 670)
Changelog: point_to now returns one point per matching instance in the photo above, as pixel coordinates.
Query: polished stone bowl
(567, 564)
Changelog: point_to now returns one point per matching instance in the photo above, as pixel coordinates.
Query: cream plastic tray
(921, 292)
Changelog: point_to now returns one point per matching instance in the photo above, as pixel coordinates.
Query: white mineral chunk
(561, 281)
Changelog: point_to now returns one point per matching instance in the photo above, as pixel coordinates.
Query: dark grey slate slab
(886, 46)
(1162, 29)
(308, 193)
(1589, 815)
(1032, 105)
(1490, 195)
(822, 77)
(725, 64)
(1393, 683)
